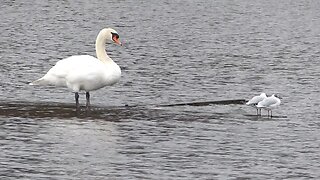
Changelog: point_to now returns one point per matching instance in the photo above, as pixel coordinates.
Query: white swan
(270, 103)
(255, 100)
(84, 72)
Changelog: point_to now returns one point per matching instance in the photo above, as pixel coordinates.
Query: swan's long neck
(100, 49)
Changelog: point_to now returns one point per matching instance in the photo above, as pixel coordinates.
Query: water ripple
(174, 52)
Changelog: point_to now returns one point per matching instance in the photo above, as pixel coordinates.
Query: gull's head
(110, 35)
(263, 95)
(277, 96)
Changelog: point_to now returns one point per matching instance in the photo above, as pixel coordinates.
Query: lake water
(174, 52)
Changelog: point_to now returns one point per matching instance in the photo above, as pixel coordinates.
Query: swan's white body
(86, 72)
(82, 72)
(269, 103)
(255, 100)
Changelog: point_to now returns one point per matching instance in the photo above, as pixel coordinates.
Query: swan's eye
(115, 36)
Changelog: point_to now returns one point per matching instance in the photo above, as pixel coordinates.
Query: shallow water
(174, 52)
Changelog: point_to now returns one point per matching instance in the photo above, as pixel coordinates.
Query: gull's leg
(260, 111)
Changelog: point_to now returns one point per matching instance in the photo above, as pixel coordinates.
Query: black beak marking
(115, 35)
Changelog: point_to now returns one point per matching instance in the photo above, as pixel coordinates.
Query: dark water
(174, 51)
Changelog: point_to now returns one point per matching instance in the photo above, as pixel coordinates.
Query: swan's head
(110, 35)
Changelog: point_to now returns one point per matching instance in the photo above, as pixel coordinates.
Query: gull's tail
(260, 105)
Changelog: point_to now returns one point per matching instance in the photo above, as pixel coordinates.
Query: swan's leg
(260, 111)
(88, 100)
(76, 95)
(257, 112)
(271, 113)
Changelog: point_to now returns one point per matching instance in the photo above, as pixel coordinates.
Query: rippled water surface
(174, 52)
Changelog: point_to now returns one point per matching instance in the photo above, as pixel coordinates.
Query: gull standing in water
(270, 103)
(84, 72)
(255, 100)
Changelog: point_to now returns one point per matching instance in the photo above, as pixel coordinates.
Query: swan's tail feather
(37, 82)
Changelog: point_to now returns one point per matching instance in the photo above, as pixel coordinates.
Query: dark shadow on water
(66, 111)
(38, 110)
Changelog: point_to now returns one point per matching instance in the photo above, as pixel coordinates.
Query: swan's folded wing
(70, 64)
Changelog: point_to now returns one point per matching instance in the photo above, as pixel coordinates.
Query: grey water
(174, 52)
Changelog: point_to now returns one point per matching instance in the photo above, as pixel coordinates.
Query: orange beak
(116, 40)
